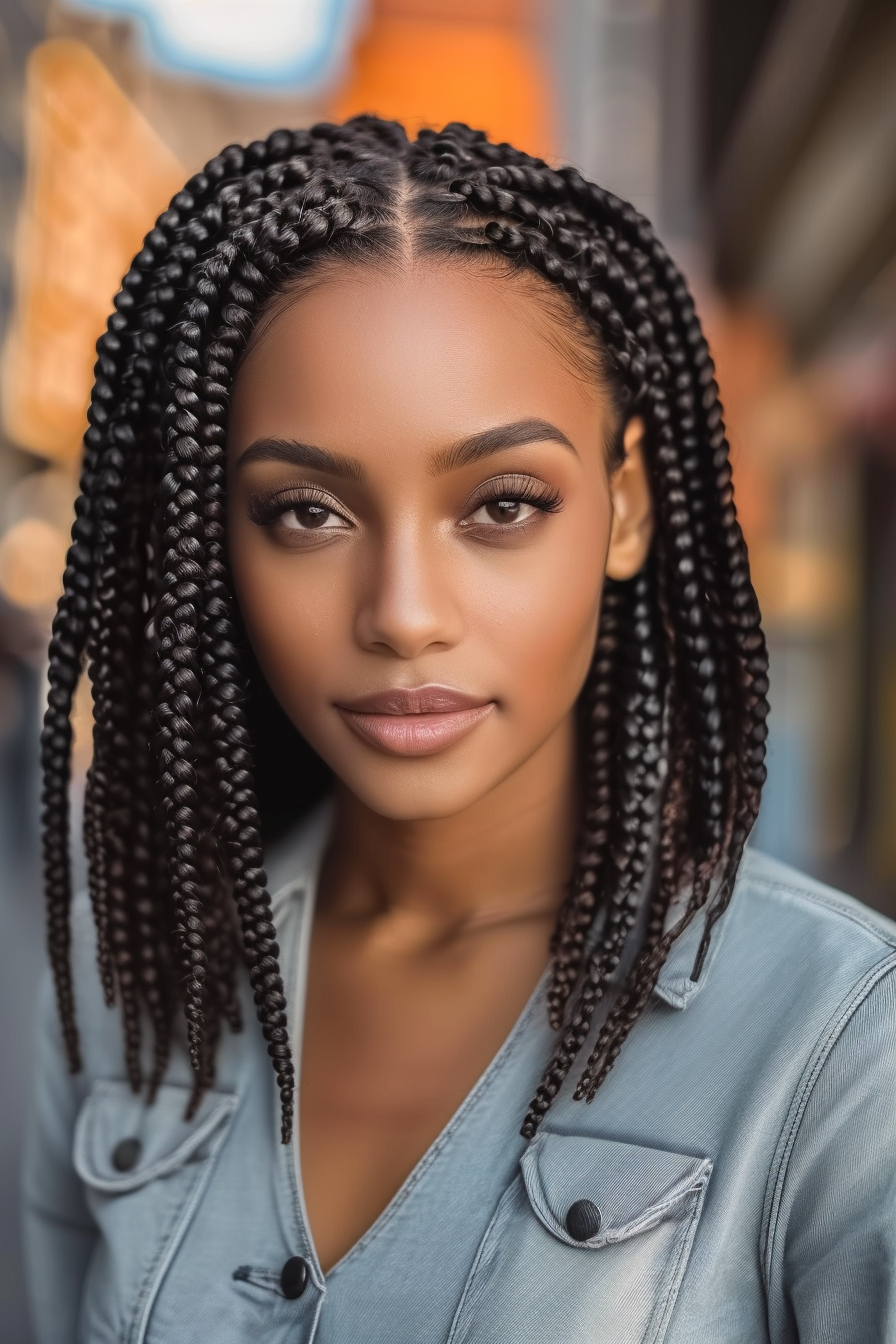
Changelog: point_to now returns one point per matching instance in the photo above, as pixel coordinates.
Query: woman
(407, 520)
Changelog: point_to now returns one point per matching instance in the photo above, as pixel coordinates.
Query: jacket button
(583, 1220)
(294, 1277)
(126, 1154)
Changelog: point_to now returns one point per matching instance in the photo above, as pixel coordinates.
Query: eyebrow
(297, 454)
(496, 440)
(461, 454)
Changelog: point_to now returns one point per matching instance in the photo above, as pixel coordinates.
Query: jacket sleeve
(833, 1207)
(59, 1232)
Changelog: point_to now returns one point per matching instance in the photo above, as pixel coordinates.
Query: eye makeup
(515, 488)
(266, 510)
(503, 505)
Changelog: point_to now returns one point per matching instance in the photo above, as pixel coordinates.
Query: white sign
(297, 44)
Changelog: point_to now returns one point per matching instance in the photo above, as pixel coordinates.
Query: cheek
(291, 613)
(538, 615)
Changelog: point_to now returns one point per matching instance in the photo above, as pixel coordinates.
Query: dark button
(583, 1220)
(126, 1154)
(294, 1277)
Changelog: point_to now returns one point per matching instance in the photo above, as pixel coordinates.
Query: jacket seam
(515, 1189)
(144, 1293)
(668, 1295)
(285, 895)
(813, 1070)
(816, 898)
(171, 1242)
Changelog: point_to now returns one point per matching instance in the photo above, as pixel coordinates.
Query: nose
(409, 604)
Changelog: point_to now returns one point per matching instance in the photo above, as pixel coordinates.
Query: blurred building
(801, 227)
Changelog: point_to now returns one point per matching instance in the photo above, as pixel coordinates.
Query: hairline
(584, 357)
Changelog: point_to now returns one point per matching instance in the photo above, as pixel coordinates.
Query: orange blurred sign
(426, 71)
(97, 175)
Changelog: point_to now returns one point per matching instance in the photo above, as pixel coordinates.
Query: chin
(415, 793)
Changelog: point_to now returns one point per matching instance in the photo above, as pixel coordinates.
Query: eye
(503, 511)
(508, 505)
(298, 514)
(309, 516)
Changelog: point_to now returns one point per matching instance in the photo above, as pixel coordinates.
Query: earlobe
(632, 528)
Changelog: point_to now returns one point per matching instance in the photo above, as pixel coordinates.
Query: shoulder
(811, 930)
(816, 967)
(812, 907)
(830, 958)
(790, 961)
(823, 962)
(799, 948)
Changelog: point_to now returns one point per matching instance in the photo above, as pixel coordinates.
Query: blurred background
(760, 138)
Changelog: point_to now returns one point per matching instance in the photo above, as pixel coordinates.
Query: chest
(390, 1052)
(476, 1250)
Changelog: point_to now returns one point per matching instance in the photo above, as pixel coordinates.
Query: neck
(507, 856)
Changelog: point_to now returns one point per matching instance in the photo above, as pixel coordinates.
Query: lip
(429, 699)
(416, 721)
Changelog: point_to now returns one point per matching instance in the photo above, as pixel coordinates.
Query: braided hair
(672, 716)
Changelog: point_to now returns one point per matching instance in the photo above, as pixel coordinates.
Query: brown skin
(441, 888)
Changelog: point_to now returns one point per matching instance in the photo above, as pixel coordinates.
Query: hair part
(673, 713)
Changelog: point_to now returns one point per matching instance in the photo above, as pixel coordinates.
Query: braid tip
(700, 959)
(286, 1124)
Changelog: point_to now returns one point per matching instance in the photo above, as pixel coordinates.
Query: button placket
(300, 1280)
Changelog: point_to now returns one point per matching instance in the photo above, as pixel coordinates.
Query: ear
(632, 529)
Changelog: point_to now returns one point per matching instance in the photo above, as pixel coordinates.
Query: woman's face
(419, 523)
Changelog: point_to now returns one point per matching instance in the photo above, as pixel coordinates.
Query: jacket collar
(674, 984)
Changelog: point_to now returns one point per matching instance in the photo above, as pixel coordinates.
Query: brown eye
(504, 510)
(506, 505)
(307, 517)
(299, 514)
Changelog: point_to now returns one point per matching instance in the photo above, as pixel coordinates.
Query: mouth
(415, 722)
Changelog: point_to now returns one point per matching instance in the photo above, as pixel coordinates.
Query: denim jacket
(733, 1181)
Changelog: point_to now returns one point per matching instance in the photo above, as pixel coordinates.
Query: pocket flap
(121, 1142)
(630, 1187)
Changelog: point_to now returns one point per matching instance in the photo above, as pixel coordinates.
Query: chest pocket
(144, 1169)
(587, 1246)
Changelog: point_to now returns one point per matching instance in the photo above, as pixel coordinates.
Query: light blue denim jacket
(741, 1157)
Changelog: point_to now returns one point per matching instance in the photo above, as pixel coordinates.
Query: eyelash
(516, 490)
(265, 511)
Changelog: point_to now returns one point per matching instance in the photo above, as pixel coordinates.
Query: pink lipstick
(417, 721)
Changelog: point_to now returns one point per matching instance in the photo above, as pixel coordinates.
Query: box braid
(672, 716)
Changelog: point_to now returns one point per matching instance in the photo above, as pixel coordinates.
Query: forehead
(427, 352)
